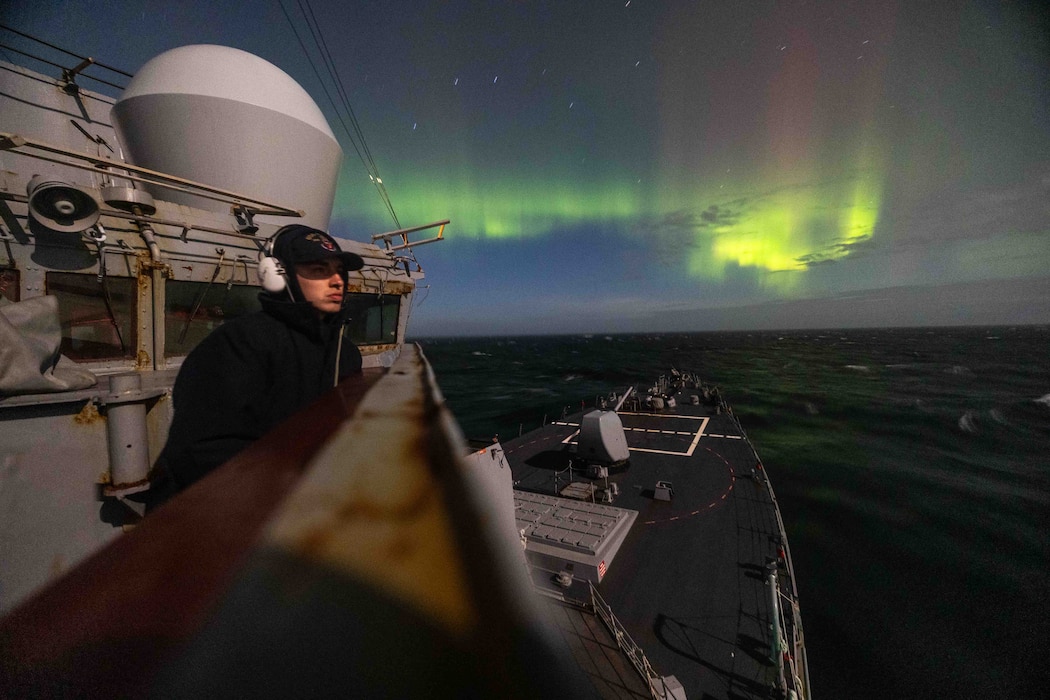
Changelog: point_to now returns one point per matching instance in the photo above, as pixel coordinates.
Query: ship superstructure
(129, 229)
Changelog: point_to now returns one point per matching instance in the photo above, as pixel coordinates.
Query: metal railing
(98, 164)
(657, 686)
(797, 678)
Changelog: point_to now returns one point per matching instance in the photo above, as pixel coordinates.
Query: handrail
(403, 232)
(798, 678)
(142, 218)
(798, 660)
(629, 647)
(102, 164)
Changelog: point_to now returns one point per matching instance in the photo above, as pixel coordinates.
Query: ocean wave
(957, 369)
(856, 462)
(859, 368)
(973, 421)
(998, 416)
(478, 353)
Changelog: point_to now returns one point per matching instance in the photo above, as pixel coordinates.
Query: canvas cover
(30, 362)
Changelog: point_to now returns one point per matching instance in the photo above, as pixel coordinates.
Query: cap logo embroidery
(323, 240)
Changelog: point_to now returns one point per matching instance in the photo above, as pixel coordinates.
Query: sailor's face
(322, 284)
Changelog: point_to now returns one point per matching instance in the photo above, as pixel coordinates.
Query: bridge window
(9, 283)
(373, 318)
(97, 317)
(192, 310)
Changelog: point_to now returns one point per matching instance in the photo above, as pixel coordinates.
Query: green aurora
(786, 230)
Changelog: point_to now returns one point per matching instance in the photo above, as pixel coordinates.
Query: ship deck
(689, 581)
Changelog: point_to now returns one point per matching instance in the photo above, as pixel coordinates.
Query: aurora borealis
(662, 166)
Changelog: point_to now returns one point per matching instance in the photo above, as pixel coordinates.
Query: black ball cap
(297, 244)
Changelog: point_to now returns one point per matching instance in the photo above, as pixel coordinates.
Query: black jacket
(247, 376)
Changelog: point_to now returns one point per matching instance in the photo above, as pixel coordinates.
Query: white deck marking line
(568, 440)
(688, 453)
(699, 434)
(692, 446)
(665, 432)
(660, 452)
(664, 415)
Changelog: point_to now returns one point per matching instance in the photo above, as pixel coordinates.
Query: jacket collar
(302, 316)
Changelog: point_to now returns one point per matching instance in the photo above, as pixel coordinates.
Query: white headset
(272, 275)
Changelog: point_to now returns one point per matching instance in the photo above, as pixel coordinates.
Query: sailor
(257, 369)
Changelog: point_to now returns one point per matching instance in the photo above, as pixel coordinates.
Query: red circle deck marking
(732, 483)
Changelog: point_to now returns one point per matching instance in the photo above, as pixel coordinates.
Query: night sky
(670, 166)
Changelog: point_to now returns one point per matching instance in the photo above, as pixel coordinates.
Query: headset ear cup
(271, 275)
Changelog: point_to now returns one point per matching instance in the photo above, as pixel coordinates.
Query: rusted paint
(372, 286)
(120, 489)
(377, 349)
(146, 265)
(372, 506)
(142, 360)
(89, 414)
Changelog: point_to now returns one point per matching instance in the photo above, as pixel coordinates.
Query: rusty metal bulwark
(377, 577)
(343, 553)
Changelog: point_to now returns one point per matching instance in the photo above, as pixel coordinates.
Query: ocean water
(912, 467)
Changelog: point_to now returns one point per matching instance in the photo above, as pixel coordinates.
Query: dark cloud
(838, 250)
(986, 302)
(680, 231)
(681, 220)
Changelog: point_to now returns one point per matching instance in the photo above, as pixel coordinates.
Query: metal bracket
(69, 76)
(245, 223)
